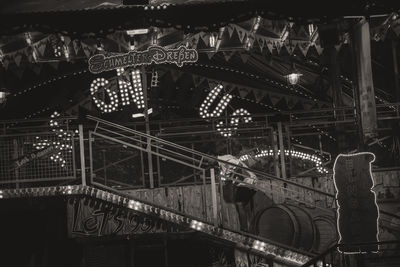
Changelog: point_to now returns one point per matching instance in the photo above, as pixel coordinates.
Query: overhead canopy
(102, 18)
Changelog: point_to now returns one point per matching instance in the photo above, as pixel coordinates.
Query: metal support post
(276, 155)
(82, 153)
(214, 197)
(282, 149)
(146, 116)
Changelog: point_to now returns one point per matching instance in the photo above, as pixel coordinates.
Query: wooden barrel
(326, 231)
(289, 225)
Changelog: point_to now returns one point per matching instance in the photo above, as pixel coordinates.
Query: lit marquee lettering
(112, 95)
(154, 54)
(128, 91)
(205, 113)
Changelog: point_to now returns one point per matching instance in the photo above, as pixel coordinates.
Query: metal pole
(82, 152)
(396, 72)
(146, 117)
(289, 145)
(203, 196)
(282, 148)
(276, 156)
(214, 197)
(104, 166)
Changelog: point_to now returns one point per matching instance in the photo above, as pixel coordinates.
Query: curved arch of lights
(316, 160)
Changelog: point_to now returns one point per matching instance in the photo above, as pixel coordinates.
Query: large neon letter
(94, 88)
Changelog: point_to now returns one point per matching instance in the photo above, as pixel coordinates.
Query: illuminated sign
(357, 211)
(33, 156)
(224, 130)
(129, 90)
(154, 54)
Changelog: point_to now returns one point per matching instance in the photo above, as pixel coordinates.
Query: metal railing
(167, 164)
(33, 158)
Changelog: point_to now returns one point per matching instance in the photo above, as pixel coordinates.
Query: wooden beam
(361, 43)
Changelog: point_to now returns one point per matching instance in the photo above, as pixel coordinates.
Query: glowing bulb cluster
(60, 145)
(58, 50)
(134, 205)
(222, 104)
(225, 131)
(196, 225)
(137, 96)
(259, 245)
(228, 131)
(94, 88)
(293, 153)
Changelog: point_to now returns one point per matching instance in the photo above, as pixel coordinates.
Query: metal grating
(36, 158)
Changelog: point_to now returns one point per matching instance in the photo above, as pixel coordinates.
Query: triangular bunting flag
(261, 43)
(194, 40)
(319, 49)
(41, 47)
(244, 57)
(302, 33)
(205, 37)
(290, 46)
(274, 98)
(270, 45)
(259, 95)
(244, 91)
(303, 46)
(29, 55)
(197, 80)
(210, 54)
(86, 49)
(230, 30)
(278, 46)
(228, 55)
(241, 33)
(76, 46)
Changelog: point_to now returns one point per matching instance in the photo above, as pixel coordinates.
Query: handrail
(206, 156)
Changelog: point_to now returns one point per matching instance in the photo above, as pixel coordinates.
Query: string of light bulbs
(316, 160)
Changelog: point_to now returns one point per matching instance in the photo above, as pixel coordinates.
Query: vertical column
(276, 155)
(146, 116)
(395, 71)
(82, 153)
(282, 149)
(361, 44)
(214, 197)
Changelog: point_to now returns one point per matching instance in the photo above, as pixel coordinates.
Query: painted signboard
(40, 153)
(154, 54)
(357, 211)
(88, 217)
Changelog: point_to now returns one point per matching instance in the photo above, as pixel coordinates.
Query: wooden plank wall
(193, 200)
